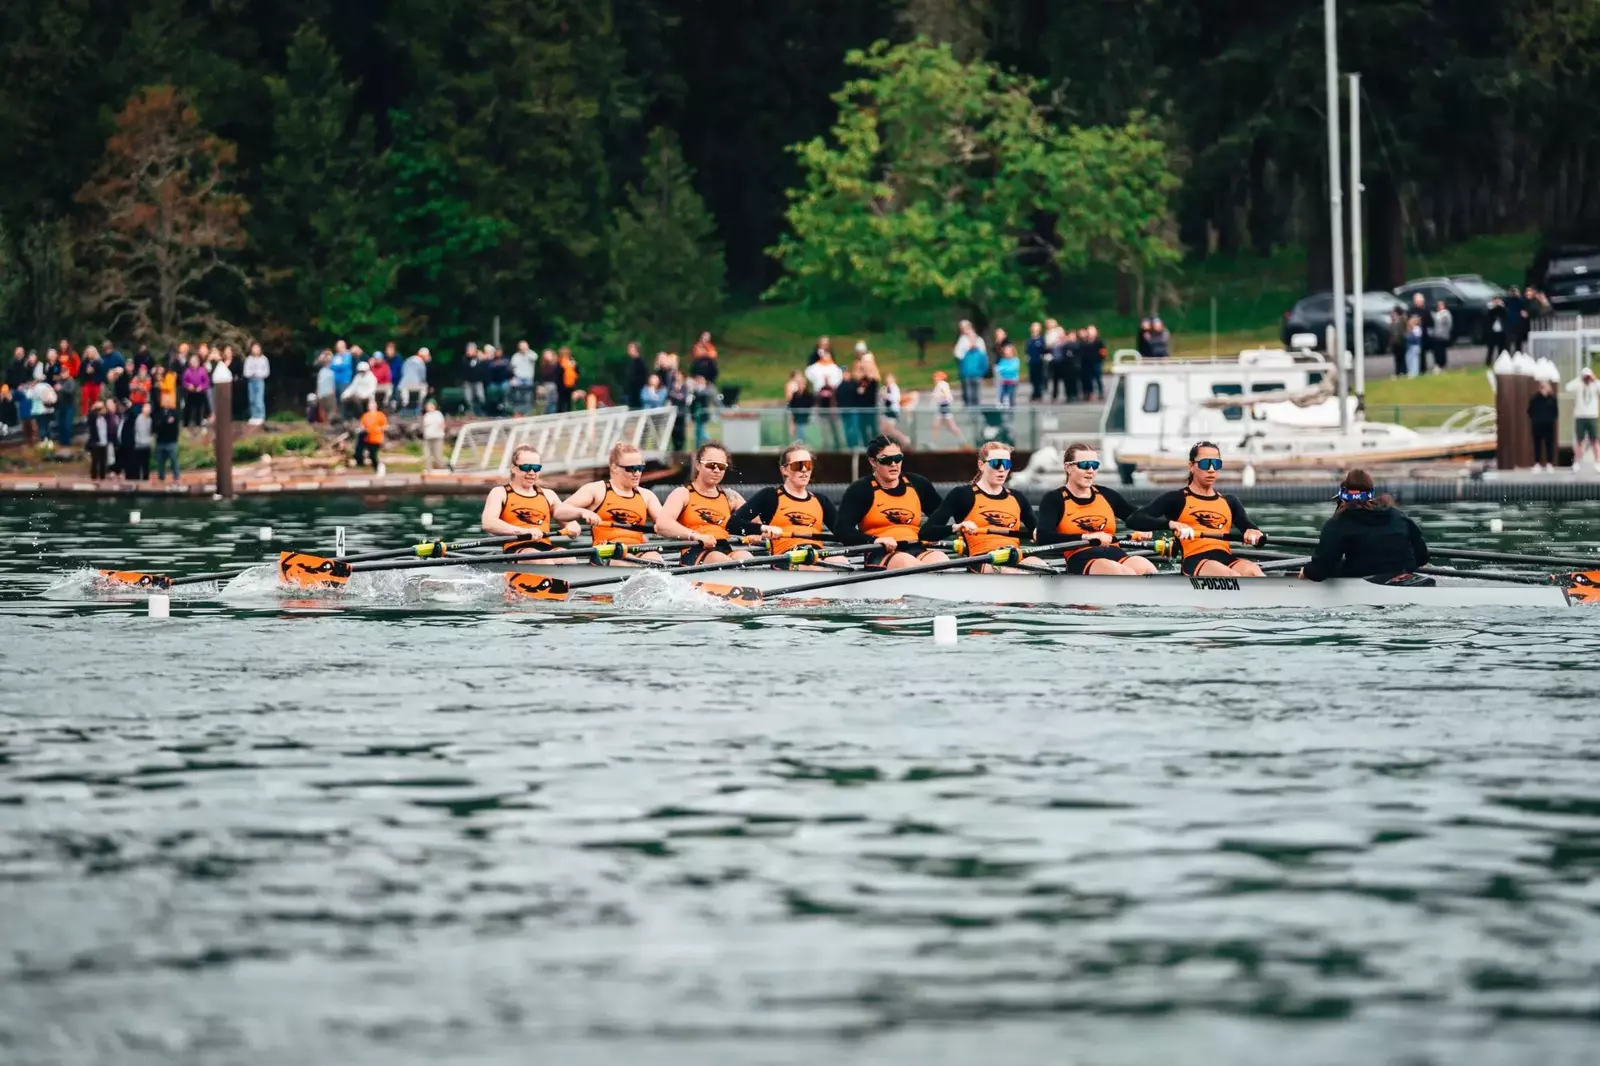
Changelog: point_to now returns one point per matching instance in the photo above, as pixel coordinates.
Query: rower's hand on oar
(1182, 530)
(772, 532)
(588, 516)
(1099, 537)
(707, 540)
(1140, 536)
(1253, 537)
(572, 529)
(968, 527)
(888, 544)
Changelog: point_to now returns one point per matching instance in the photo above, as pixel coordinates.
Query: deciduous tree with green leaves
(947, 181)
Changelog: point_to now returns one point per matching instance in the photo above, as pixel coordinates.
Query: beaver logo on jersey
(999, 518)
(798, 519)
(619, 517)
(1210, 519)
(311, 571)
(1090, 523)
(708, 516)
(1583, 588)
(899, 516)
(525, 516)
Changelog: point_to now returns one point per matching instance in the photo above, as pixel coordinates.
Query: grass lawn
(760, 345)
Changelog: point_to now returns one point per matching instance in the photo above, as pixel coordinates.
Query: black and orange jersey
(804, 518)
(1211, 518)
(707, 514)
(968, 503)
(868, 511)
(624, 511)
(1064, 517)
(529, 512)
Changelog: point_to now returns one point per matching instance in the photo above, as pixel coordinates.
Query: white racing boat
(1158, 590)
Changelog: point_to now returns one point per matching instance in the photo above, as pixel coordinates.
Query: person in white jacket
(432, 437)
(256, 372)
(1585, 416)
(362, 387)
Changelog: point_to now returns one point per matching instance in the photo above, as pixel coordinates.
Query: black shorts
(693, 556)
(877, 557)
(1191, 563)
(1078, 562)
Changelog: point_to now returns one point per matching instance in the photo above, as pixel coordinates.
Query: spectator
(869, 385)
(847, 399)
(138, 436)
(91, 378)
(369, 438)
(19, 379)
(1160, 340)
(66, 407)
(10, 416)
(800, 401)
(362, 388)
(327, 388)
(240, 396)
(414, 380)
(1055, 343)
(825, 377)
(702, 404)
(1585, 416)
(1141, 343)
(1443, 329)
(677, 394)
(1000, 339)
(383, 373)
(143, 358)
(703, 359)
(635, 377)
(256, 371)
(42, 404)
(523, 365)
(111, 357)
(344, 367)
(1516, 319)
(1397, 340)
(1544, 414)
(117, 386)
(944, 417)
(1091, 363)
(432, 437)
(1496, 331)
(1067, 365)
(568, 379)
(972, 363)
(137, 392)
(824, 346)
(497, 379)
(1419, 311)
(1415, 336)
(71, 362)
(195, 383)
(1038, 367)
(164, 427)
(1009, 371)
(100, 439)
(652, 394)
(474, 381)
(890, 426)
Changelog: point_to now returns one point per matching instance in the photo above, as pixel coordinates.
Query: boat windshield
(1116, 416)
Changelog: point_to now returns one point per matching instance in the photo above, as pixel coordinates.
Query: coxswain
(522, 508)
(1082, 510)
(625, 512)
(887, 507)
(1368, 536)
(1202, 519)
(985, 512)
(790, 516)
(700, 510)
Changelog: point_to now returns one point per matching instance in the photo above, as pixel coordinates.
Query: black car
(1314, 315)
(1469, 298)
(1571, 278)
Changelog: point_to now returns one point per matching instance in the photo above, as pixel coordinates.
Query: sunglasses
(709, 466)
(1208, 464)
(889, 460)
(998, 463)
(530, 468)
(800, 466)
(632, 468)
(1086, 464)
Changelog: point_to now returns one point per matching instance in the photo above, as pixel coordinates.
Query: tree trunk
(1385, 243)
(1319, 247)
(1263, 216)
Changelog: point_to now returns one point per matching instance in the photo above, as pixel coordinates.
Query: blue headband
(1349, 496)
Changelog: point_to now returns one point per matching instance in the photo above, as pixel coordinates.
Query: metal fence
(1570, 341)
(769, 429)
(576, 440)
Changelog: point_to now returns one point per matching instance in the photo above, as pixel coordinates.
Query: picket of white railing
(574, 440)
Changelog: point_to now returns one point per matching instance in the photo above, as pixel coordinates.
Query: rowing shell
(1156, 590)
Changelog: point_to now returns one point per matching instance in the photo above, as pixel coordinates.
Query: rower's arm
(925, 492)
(1240, 519)
(1051, 508)
(493, 504)
(954, 507)
(1120, 507)
(1026, 510)
(756, 512)
(1419, 547)
(652, 503)
(667, 524)
(852, 509)
(587, 497)
(1159, 514)
(1329, 554)
(566, 512)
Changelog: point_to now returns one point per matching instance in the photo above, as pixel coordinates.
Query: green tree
(668, 276)
(946, 181)
(317, 227)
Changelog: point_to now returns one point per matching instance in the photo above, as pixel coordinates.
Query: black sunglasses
(889, 460)
(998, 464)
(530, 468)
(632, 468)
(1086, 464)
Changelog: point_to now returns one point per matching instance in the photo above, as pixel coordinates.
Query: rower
(624, 511)
(522, 508)
(790, 516)
(1368, 536)
(1202, 519)
(702, 509)
(886, 507)
(1082, 510)
(986, 513)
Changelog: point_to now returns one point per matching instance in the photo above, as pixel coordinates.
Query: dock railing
(574, 440)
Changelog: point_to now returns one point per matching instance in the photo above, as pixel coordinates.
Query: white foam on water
(652, 590)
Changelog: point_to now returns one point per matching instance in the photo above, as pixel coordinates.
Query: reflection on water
(478, 831)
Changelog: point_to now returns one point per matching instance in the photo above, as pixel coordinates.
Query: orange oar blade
(536, 587)
(1582, 588)
(134, 577)
(743, 595)
(312, 571)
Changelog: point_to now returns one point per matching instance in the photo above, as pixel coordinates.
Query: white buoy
(265, 533)
(944, 629)
(133, 518)
(1496, 525)
(427, 519)
(338, 542)
(1249, 478)
(160, 605)
(383, 469)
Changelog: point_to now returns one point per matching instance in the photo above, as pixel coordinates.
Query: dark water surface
(269, 832)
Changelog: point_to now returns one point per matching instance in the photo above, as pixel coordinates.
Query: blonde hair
(989, 448)
(519, 449)
(621, 448)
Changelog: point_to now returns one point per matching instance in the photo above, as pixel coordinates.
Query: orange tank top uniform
(990, 513)
(617, 510)
(801, 519)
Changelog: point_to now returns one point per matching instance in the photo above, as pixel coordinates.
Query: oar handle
(998, 557)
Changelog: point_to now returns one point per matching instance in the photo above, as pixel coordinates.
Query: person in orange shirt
(567, 381)
(369, 438)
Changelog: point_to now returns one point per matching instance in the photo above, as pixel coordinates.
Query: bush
(302, 442)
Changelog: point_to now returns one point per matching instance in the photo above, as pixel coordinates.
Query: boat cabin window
(1152, 398)
(1236, 414)
(1116, 420)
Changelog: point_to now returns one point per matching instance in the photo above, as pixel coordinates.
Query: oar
(1496, 575)
(315, 571)
(1470, 553)
(542, 587)
(750, 597)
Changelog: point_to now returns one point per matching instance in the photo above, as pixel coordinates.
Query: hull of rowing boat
(1157, 591)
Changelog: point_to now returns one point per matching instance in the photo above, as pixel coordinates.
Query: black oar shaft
(1481, 554)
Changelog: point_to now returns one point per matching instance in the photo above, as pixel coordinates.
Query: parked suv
(1314, 314)
(1468, 297)
(1571, 278)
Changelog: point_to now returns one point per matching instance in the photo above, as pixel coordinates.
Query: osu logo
(1090, 523)
(899, 516)
(1583, 588)
(619, 517)
(998, 518)
(799, 518)
(709, 517)
(526, 516)
(1210, 519)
